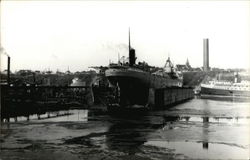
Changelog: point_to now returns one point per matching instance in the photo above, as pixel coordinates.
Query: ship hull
(129, 90)
(133, 85)
(224, 92)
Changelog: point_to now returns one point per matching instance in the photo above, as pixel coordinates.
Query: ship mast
(129, 47)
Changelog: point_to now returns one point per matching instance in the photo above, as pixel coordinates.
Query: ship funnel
(132, 57)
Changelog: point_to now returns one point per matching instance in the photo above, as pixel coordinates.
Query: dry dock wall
(166, 97)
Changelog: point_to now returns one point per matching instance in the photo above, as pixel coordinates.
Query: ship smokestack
(132, 57)
(8, 71)
(206, 54)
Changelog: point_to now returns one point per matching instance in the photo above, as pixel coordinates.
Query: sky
(57, 35)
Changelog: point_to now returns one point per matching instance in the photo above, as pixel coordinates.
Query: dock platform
(166, 97)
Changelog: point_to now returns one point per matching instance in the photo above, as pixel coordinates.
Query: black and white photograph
(124, 80)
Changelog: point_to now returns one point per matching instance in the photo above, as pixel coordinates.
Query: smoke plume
(2, 51)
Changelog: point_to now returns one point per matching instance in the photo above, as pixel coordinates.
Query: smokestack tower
(8, 71)
(205, 55)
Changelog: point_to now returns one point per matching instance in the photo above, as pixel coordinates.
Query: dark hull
(130, 91)
(222, 92)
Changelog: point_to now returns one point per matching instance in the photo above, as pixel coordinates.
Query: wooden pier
(27, 100)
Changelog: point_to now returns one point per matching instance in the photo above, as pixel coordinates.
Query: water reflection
(126, 137)
(226, 98)
(184, 141)
(193, 150)
(186, 118)
(130, 134)
(178, 134)
(67, 116)
(56, 116)
(207, 120)
(205, 145)
(197, 129)
(205, 135)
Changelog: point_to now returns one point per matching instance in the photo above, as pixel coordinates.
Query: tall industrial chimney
(8, 71)
(205, 55)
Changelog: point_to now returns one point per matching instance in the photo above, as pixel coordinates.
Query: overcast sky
(61, 34)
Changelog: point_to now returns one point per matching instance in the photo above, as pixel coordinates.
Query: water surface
(198, 129)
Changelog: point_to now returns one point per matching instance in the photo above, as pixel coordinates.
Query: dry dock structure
(166, 97)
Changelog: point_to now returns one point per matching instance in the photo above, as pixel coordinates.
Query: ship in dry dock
(132, 81)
